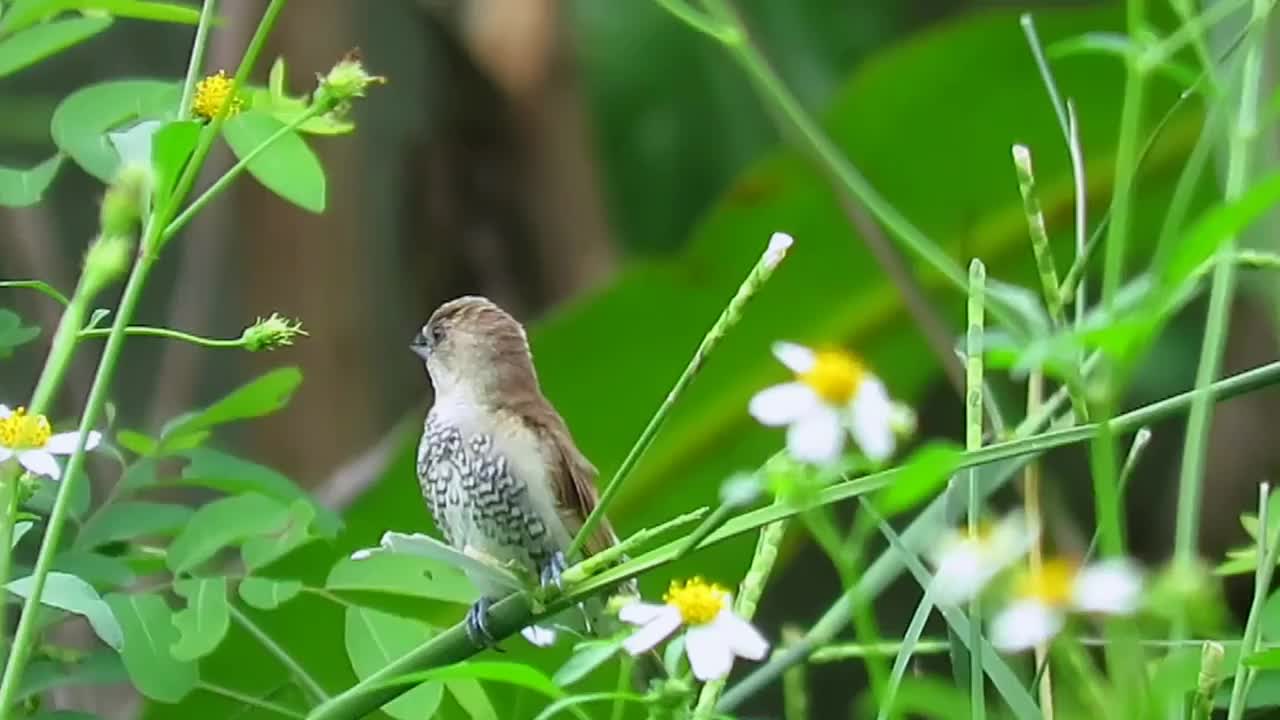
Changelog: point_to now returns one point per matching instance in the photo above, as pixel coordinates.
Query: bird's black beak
(419, 345)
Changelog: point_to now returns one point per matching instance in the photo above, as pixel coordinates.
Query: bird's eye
(437, 334)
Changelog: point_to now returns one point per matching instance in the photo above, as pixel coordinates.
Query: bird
(497, 464)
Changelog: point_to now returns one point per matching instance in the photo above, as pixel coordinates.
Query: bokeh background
(609, 176)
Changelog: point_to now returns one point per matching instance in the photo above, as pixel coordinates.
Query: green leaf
(361, 581)
(47, 492)
(587, 656)
(925, 473)
(149, 632)
(1215, 227)
(261, 396)
(25, 13)
(70, 593)
(223, 523)
(126, 520)
(214, 469)
(98, 668)
(287, 167)
(276, 101)
(267, 594)
(20, 529)
(262, 551)
(204, 622)
(136, 442)
(171, 147)
(22, 188)
(510, 673)
(374, 639)
(82, 120)
(37, 43)
(13, 333)
(141, 474)
(471, 696)
(95, 568)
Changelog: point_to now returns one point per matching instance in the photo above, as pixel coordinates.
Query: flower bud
(125, 201)
(106, 260)
(347, 80)
(272, 333)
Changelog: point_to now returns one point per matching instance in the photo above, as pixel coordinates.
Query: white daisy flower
(715, 636)
(30, 439)
(1043, 600)
(964, 563)
(833, 392)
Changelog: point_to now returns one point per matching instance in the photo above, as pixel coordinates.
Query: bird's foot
(478, 624)
(551, 574)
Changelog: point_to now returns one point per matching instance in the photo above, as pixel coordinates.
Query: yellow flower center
(212, 93)
(1052, 584)
(698, 601)
(834, 377)
(21, 431)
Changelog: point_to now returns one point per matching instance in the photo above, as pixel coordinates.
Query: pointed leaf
(261, 396)
(24, 13)
(587, 656)
(171, 146)
(95, 568)
(403, 575)
(129, 519)
(39, 42)
(259, 552)
(223, 523)
(149, 631)
(287, 166)
(204, 622)
(70, 593)
(21, 188)
(374, 639)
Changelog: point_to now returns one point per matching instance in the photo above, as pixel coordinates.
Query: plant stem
(196, 62)
(25, 634)
(250, 700)
(61, 351)
(795, 683)
(748, 599)
(973, 441)
(1126, 161)
(1268, 556)
(1035, 559)
(39, 286)
(304, 678)
(760, 273)
(9, 478)
(145, 331)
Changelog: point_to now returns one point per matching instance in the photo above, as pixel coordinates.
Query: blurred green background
(609, 176)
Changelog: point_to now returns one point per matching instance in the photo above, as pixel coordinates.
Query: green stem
(509, 615)
(625, 666)
(763, 270)
(1267, 559)
(314, 110)
(25, 634)
(1126, 161)
(698, 20)
(745, 604)
(39, 286)
(9, 478)
(973, 441)
(1049, 284)
(294, 667)
(145, 331)
(250, 700)
(795, 684)
(197, 58)
(60, 353)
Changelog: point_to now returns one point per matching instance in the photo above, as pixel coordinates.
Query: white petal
(654, 632)
(5, 412)
(873, 419)
(5, 453)
(1112, 587)
(641, 613)
(817, 437)
(798, 358)
(539, 636)
(1023, 625)
(40, 463)
(365, 553)
(779, 244)
(708, 651)
(741, 636)
(783, 404)
(960, 572)
(65, 443)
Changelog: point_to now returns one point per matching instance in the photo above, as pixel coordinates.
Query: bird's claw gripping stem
(552, 574)
(478, 624)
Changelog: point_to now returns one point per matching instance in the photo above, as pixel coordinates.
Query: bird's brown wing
(573, 477)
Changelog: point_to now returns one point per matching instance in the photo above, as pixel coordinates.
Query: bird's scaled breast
(475, 498)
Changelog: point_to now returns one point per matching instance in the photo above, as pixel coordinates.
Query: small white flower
(715, 636)
(30, 438)
(832, 393)
(1043, 599)
(965, 563)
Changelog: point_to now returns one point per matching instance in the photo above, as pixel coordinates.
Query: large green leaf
(403, 576)
(217, 470)
(68, 592)
(149, 632)
(205, 620)
(25, 13)
(374, 639)
(82, 120)
(287, 166)
(222, 523)
(261, 396)
(37, 43)
(130, 519)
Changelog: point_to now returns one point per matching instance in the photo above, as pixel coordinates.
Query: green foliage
(74, 595)
(13, 333)
(288, 167)
(21, 188)
(131, 519)
(27, 47)
(373, 640)
(204, 622)
(149, 636)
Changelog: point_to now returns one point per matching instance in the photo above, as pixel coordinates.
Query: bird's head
(472, 346)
